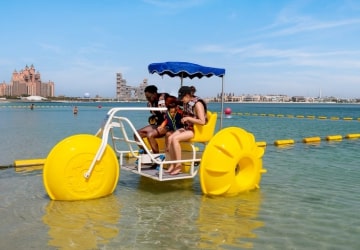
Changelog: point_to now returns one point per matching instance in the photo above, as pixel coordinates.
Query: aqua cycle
(85, 166)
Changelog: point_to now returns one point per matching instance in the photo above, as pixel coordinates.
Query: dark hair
(184, 90)
(193, 90)
(171, 101)
(151, 89)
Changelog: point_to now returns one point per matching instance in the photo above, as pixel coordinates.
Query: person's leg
(171, 150)
(152, 141)
(152, 135)
(143, 133)
(183, 135)
(155, 132)
(167, 135)
(186, 135)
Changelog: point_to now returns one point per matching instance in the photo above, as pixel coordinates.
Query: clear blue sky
(266, 46)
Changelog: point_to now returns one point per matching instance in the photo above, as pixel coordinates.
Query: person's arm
(149, 106)
(163, 124)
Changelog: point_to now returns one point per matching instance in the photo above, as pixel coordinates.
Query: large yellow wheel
(68, 161)
(231, 163)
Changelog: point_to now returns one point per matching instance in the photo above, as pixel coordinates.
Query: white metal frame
(122, 124)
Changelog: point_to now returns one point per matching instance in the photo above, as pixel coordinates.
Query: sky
(301, 47)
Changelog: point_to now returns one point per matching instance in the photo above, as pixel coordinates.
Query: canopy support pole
(222, 102)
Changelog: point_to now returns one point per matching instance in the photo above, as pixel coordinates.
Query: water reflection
(229, 221)
(82, 224)
(158, 187)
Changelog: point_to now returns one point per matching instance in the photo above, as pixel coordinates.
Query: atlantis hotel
(27, 82)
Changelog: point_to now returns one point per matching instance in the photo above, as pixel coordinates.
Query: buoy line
(314, 139)
(35, 106)
(280, 142)
(309, 117)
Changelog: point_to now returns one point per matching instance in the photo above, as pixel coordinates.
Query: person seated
(194, 112)
(153, 130)
(173, 118)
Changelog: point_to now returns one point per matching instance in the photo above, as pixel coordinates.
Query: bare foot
(170, 169)
(176, 170)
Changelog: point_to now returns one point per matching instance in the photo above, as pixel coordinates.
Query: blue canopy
(184, 70)
(189, 70)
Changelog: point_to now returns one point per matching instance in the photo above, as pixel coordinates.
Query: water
(309, 199)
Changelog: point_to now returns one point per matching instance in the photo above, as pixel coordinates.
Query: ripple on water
(309, 198)
(82, 224)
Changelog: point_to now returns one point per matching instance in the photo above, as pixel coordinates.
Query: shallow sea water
(309, 198)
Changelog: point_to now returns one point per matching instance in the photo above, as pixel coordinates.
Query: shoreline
(144, 101)
(65, 101)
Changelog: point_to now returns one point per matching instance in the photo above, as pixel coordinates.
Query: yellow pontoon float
(85, 166)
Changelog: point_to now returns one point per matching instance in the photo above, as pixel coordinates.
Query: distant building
(4, 89)
(27, 82)
(298, 99)
(125, 92)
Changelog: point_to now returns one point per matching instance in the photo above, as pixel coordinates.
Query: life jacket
(189, 110)
(157, 117)
(173, 123)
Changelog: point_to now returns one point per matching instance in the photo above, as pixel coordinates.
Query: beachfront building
(126, 92)
(5, 89)
(275, 98)
(27, 82)
(231, 97)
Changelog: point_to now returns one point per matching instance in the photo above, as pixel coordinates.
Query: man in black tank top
(153, 130)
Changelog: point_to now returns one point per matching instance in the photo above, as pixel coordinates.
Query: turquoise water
(309, 198)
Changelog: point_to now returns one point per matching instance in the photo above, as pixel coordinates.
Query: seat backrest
(203, 133)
